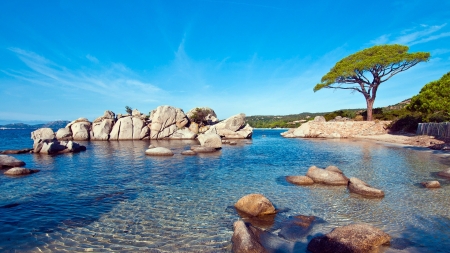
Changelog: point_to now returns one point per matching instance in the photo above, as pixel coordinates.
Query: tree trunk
(369, 109)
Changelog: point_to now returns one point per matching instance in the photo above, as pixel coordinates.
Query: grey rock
(18, 171)
(210, 140)
(64, 134)
(10, 161)
(43, 134)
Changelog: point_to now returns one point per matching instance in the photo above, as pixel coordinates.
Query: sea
(114, 198)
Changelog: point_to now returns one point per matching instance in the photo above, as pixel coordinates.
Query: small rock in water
(188, 152)
(360, 187)
(159, 151)
(299, 180)
(9, 161)
(431, 184)
(17, 171)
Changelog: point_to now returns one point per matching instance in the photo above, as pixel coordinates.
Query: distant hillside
(55, 125)
(295, 120)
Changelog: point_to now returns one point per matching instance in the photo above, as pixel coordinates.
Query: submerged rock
(245, 239)
(327, 177)
(10, 161)
(431, 184)
(188, 152)
(18, 151)
(255, 205)
(200, 149)
(299, 180)
(445, 173)
(18, 171)
(360, 187)
(354, 238)
(159, 151)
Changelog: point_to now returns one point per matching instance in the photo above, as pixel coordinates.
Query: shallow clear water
(115, 198)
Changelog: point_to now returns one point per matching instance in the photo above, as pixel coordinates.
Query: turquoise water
(114, 198)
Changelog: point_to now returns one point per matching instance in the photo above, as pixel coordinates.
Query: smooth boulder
(299, 180)
(43, 134)
(64, 134)
(360, 187)
(431, 184)
(10, 161)
(353, 238)
(327, 177)
(255, 205)
(210, 140)
(159, 151)
(18, 171)
(245, 240)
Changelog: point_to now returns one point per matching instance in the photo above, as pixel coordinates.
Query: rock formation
(202, 116)
(360, 187)
(166, 120)
(210, 140)
(327, 177)
(255, 205)
(245, 240)
(354, 238)
(10, 161)
(56, 147)
(43, 134)
(18, 171)
(102, 126)
(80, 129)
(159, 151)
(232, 128)
(300, 180)
(344, 129)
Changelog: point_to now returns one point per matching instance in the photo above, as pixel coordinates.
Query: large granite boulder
(166, 120)
(159, 151)
(64, 134)
(102, 126)
(57, 147)
(10, 161)
(130, 128)
(202, 116)
(360, 187)
(232, 128)
(18, 171)
(354, 238)
(210, 140)
(80, 129)
(327, 177)
(183, 134)
(245, 239)
(255, 205)
(43, 134)
(299, 180)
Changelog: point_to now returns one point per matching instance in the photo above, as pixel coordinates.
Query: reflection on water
(115, 198)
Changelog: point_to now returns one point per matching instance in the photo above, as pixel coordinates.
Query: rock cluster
(249, 236)
(164, 122)
(46, 143)
(337, 129)
(13, 166)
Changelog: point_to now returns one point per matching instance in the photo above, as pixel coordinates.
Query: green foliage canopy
(434, 97)
(365, 70)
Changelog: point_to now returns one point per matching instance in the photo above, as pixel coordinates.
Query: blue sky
(69, 59)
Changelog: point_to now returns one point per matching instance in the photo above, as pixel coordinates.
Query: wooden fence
(440, 130)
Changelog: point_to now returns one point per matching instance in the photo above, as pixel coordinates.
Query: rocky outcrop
(57, 147)
(319, 129)
(18, 171)
(80, 129)
(354, 238)
(64, 134)
(232, 128)
(245, 240)
(159, 151)
(43, 134)
(10, 161)
(255, 205)
(300, 180)
(327, 177)
(130, 127)
(166, 120)
(202, 116)
(183, 134)
(102, 126)
(360, 187)
(431, 184)
(210, 140)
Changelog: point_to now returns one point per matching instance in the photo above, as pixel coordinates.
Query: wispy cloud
(92, 58)
(114, 80)
(416, 35)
